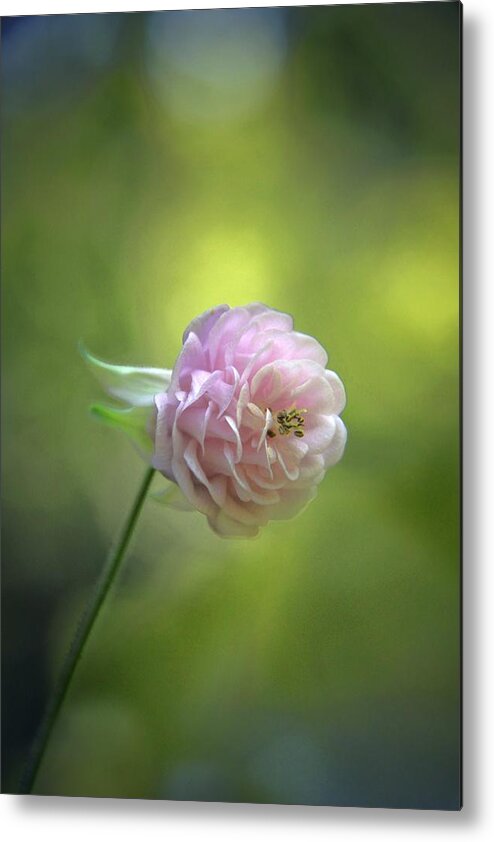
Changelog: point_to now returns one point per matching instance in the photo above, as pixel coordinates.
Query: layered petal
(250, 421)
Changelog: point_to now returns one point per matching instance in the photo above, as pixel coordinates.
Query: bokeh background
(155, 165)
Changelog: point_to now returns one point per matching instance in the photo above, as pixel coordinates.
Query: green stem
(81, 637)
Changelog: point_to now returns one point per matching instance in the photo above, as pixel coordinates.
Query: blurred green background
(155, 165)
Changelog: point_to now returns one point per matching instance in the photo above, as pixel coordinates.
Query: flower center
(288, 421)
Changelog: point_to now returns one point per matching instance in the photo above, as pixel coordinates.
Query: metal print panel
(231, 395)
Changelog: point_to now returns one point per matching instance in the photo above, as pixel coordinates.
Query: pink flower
(250, 421)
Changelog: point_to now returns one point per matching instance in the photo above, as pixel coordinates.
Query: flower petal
(334, 452)
(226, 527)
(292, 502)
(203, 323)
(163, 448)
(339, 396)
(319, 432)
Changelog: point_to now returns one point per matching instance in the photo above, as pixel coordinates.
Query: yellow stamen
(288, 421)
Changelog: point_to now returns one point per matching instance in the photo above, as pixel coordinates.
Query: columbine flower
(246, 424)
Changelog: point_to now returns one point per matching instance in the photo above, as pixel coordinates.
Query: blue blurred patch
(50, 60)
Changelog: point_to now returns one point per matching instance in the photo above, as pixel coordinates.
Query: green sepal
(133, 385)
(133, 422)
(173, 497)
